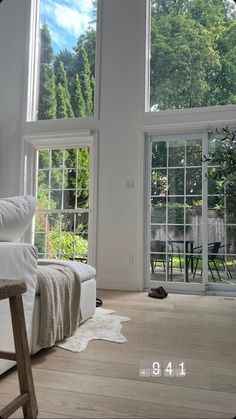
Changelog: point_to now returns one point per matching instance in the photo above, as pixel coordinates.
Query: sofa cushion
(15, 216)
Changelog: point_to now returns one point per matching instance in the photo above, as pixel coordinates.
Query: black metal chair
(213, 249)
(176, 249)
(161, 251)
(224, 249)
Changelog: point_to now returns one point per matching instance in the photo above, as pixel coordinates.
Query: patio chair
(176, 249)
(161, 252)
(213, 249)
(224, 249)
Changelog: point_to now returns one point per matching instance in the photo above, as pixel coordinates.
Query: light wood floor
(103, 381)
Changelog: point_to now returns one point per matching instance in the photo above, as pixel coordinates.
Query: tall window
(193, 49)
(66, 63)
(62, 216)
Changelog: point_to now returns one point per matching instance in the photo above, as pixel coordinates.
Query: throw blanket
(59, 287)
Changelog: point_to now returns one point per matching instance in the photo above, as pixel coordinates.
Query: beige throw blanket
(59, 288)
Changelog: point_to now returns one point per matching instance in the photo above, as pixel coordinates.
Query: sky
(67, 20)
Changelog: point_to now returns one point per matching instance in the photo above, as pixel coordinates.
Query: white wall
(12, 54)
(120, 219)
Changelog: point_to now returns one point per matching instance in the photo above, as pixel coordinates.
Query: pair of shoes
(158, 293)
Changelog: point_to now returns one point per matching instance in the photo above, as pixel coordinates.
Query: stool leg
(30, 408)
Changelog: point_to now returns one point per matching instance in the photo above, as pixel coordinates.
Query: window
(63, 85)
(62, 190)
(193, 48)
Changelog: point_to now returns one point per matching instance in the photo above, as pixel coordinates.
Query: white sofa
(19, 261)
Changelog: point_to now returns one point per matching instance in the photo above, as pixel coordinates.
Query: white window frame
(31, 143)
(31, 82)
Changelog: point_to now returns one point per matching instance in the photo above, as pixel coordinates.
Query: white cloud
(67, 19)
(74, 21)
(57, 38)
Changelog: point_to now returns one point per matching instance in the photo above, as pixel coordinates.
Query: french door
(191, 223)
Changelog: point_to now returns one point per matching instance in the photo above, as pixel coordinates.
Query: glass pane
(67, 222)
(82, 223)
(56, 179)
(192, 64)
(57, 159)
(39, 222)
(43, 179)
(43, 159)
(83, 178)
(158, 211)
(83, 158)
(230, 210)
(194, 153)
(175, 232)
(70, 158)
(159, 154)
(193, 181)
(176, 153)
(193, 209)
(83, 198)
(176, 181)
(67, 59)
(216, 207)
(176, 209)
(216, 231)
(158, 232)
(39, 241)
(56, 200)
(159, 182)
(43, 199)
(67, 245)
(215, 186)
(70, 179)
(230, 237)
(54, 221)
(69, 199)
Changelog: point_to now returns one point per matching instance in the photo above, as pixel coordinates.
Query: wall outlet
(130, 259)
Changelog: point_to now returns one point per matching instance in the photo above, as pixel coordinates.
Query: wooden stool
(13, 289)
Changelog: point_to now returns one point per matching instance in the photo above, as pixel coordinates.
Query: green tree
(68, 59)
(77, 100)
(61, 102)
(47, 88)
(226, 78)
(193, 53)
(88, 40)
(82, 67)
(61, 80)
(182, 56)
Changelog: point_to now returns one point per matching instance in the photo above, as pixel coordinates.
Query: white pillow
(15, 216)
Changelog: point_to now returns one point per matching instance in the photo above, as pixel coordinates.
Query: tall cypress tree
(47, 89)
(83, 70)
(61, 102)
(62, 80)
(77, 99)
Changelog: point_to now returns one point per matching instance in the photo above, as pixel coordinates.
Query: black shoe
(98, 302)
(156, 293)
(161, 289)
